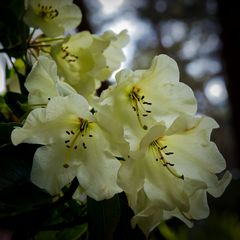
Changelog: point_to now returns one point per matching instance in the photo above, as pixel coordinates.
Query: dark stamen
(65, 165)
(169, 153)
(147, 103)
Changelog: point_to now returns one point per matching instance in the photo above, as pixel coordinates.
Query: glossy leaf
(14, 102)
(103, 217)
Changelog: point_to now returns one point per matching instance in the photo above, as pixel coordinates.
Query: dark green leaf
(15, 6)
(19, 198)
(72, 233)
(103, 217)
(14, 102)
(5, 132)
(13, 31)
(15, 164)
(67, 234)
(124, 229)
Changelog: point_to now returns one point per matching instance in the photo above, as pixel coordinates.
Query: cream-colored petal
(218, 189)
(97, 173)
(41, 81)
(198, 205)
(131, 178)
(48, 171)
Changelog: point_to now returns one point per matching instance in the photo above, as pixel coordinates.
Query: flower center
(69, 57)
(75, 138)
(138, 105)
(160, 153)
(47, 12)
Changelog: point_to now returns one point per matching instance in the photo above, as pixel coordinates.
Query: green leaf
(124, 229)
(13, 31)
(72, 233)
(46, 235)
(20, 200)
(15, 6)
(67, 234)
(15, 168)
(5, 132)
(103, 218)
(15, 102)
(15, 164)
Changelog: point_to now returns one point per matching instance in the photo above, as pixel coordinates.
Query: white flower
(84, 60)
(74, 146)
(172, 172)
(43, 82)
(144, 97)
(53, 17)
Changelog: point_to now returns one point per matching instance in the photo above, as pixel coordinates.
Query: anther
(67, 146)
(147, 103)
(67, 132)
(169, 153)
(65, 165)
(90, 135)
(72, 132)
(145, 127)
(67, 141)
(75, 147)
(164, 147)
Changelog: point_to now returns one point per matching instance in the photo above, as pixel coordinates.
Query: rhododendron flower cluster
(141, 136)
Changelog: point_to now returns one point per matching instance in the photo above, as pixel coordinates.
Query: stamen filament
(75, 137)
(158, 152)
(138, 105)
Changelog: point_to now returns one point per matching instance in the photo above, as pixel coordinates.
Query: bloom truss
(141, 136)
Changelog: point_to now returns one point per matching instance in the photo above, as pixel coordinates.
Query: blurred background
(203, 37)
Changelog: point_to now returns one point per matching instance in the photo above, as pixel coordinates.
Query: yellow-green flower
(53, 17)
(172, 172)
(73, 145)
(84, 60)
(142, 98)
